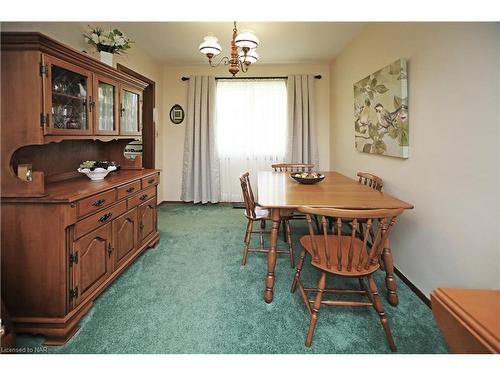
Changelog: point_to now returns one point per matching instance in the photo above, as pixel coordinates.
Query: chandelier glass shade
(242, 55)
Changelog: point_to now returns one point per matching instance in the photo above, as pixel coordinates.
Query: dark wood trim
(150, 82)
(148, 122)
(413, 288)
(19, 41)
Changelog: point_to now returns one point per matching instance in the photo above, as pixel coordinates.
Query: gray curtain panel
(302, 142)
(200, 175)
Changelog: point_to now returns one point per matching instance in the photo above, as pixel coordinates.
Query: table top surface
(479, 308)
(280, 190)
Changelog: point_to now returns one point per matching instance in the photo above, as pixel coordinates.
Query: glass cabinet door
(68, 95)
(106, 107)
(131, 112)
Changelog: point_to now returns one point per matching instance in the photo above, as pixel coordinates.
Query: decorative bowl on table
(308, 178)
(97, 170)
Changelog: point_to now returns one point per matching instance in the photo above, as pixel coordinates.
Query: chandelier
(243, 53)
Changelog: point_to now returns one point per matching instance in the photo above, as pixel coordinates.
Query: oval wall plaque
(176, 114)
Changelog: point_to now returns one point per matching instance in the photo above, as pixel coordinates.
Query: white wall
(71, 34)
(175, 92)
(451, 238)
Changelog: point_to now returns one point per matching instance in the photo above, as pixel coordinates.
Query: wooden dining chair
(292, 167)
(339, 255)
(371, 180)
(255, 213)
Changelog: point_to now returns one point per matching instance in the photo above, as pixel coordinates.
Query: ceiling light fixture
(243, 53)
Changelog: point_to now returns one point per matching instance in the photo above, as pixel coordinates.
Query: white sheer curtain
(251, 130)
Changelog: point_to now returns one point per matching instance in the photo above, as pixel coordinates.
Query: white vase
(106, 58)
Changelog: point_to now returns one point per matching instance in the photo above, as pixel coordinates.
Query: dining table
(282, 195)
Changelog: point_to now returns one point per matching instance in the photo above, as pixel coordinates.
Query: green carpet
(191, 295)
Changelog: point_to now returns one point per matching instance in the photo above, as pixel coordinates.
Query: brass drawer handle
(99, 202)
(130, 189)
(143, 197)
(105, 217)
(151, 181)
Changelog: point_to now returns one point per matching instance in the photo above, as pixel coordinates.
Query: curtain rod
(217, 78)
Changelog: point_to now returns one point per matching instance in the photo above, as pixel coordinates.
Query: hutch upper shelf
(77, 95)
(56, 93)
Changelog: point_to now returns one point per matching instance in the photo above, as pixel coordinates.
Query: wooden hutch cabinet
(65, 238)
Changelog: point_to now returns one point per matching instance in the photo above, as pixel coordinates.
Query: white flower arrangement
(113, 41)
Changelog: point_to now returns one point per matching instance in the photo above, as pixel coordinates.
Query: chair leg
(289, 240)
(262, 224)
(381, 263)
(283, 222)
(379, 308)
(261, 238)
(246, 241)
(315, 309)
(298, 271)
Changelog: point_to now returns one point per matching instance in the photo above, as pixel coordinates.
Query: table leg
(390, 281)
(271, 255)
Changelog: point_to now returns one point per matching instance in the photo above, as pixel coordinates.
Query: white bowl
(97, 174)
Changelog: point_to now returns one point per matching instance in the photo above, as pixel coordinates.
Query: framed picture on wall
(381, 112)
(176, 114)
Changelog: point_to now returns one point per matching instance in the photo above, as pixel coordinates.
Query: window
(251, 130)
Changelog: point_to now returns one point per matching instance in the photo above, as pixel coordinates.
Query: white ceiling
(280, 42)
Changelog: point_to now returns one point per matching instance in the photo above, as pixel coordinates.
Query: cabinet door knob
(105, 217)
(143, 197)
(151, 181)
(110, 249)
(99, 202)
(130, 189)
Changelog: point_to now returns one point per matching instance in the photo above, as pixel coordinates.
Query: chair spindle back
(248, 197)
(371, 180)
(350, 253)
(292, 167)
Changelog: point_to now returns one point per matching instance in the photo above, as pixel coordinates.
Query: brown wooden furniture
(345, 256)
(282, 194)
(7, 333)
(148, 123)
(371, 180)
(65, 238)
(53, 93)
(255, 213)
(61, 251)
(292, 167)
(468, 319)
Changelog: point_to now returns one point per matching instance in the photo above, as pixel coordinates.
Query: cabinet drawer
(143, 196)
(96, 202)
(129, 189)
(151, 180)
(99, 218)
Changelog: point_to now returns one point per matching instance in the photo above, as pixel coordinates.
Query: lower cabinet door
(93, 264)
(147, 219)
(125, 232)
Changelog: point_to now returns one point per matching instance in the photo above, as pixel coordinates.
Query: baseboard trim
(167, 202)
(413, 288)
(198, 204)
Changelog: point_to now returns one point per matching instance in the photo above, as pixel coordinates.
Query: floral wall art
(381, 111)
